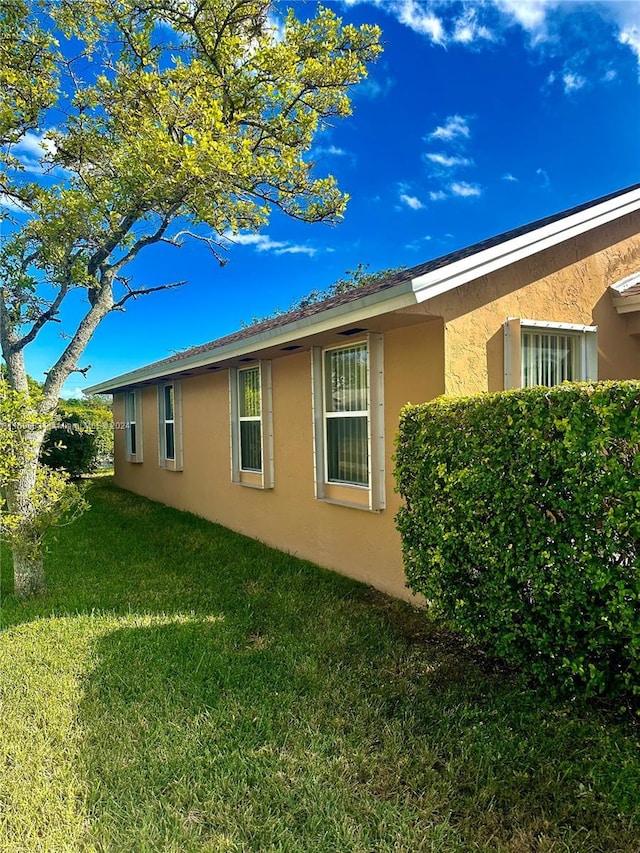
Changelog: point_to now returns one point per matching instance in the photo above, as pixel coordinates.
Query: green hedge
(521, 527)
(81, 439)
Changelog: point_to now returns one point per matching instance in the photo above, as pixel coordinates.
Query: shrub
(521, 527)
(82, 438)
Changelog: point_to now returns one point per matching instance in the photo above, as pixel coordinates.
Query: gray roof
(384, 284)
(331, 310)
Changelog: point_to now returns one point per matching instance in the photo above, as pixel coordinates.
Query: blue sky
(477, 118)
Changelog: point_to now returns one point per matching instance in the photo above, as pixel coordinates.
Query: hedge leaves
(521, 527)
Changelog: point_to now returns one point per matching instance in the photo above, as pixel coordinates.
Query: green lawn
(183, 688)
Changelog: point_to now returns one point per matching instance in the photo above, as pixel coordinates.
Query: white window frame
(373, 495)
(263, 479)
(133, 417)
(587, 368)
(175, 463)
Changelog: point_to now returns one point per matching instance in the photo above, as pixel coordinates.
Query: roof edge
(372, 305)
(454, 275)
(409, 292)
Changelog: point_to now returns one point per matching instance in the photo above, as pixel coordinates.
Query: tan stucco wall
(356, 542)
(564, 284)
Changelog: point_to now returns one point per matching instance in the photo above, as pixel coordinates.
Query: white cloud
(572, 82)
(276, 25)
(468, 30)
(264, 243)
(331, 150)
(541, 173)
(437, 195)
(531, 15)
(411, 201)
(297, 250)
(261, 242)
(416, 245)
(464, 189)
(543, 21)
(453, 128)
(11, 204)
(610, 75)
(448, 162)
(420, 19)
(630, 35)
(509, 177)
(32, 149)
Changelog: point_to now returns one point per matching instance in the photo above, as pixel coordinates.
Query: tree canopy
(153, 118)
(149, 121)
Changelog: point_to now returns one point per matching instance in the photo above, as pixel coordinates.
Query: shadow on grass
(200, 736)
(239, 699)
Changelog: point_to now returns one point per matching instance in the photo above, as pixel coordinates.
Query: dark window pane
(168, 402)
(250, 449)
(170, 448)
(347, 451)
(132, 437)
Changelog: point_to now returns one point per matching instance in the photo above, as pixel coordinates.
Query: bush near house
(522, 526)
(82, 438)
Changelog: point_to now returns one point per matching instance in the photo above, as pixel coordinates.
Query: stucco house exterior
(285, 430)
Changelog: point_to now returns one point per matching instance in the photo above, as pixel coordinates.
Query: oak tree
(153, 121)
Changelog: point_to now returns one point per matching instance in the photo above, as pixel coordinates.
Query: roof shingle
(385, 284)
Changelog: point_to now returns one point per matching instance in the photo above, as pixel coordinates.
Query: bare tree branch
(212, 244)
(134, 293)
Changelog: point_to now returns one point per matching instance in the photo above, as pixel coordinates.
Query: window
(251, 425)
(346, 411)
(349, 424)
(540, 353)
(133, 425)
(170, 426)
(250, 419)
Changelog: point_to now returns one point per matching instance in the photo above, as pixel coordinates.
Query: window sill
(259, 486)
(349, 505)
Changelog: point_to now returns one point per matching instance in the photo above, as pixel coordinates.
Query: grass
(183, 688)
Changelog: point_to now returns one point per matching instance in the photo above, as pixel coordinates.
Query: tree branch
(47, 315)
(133, 293)
(101, 255)
(68, 361)
(212, 244)
(147, 240)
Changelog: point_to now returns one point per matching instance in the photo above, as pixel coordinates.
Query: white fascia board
(626, 282)
(357, 311)
(627, 304)
(482, 263)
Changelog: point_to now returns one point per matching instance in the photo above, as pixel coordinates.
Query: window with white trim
(346, 413)
(251, 425)
(545, 353)
(170, 426)
(349, 423)
(133, 425)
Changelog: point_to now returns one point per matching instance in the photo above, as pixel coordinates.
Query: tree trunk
(28, 573)
(26, 546)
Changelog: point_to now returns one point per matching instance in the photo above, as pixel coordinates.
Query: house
(285, 430)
